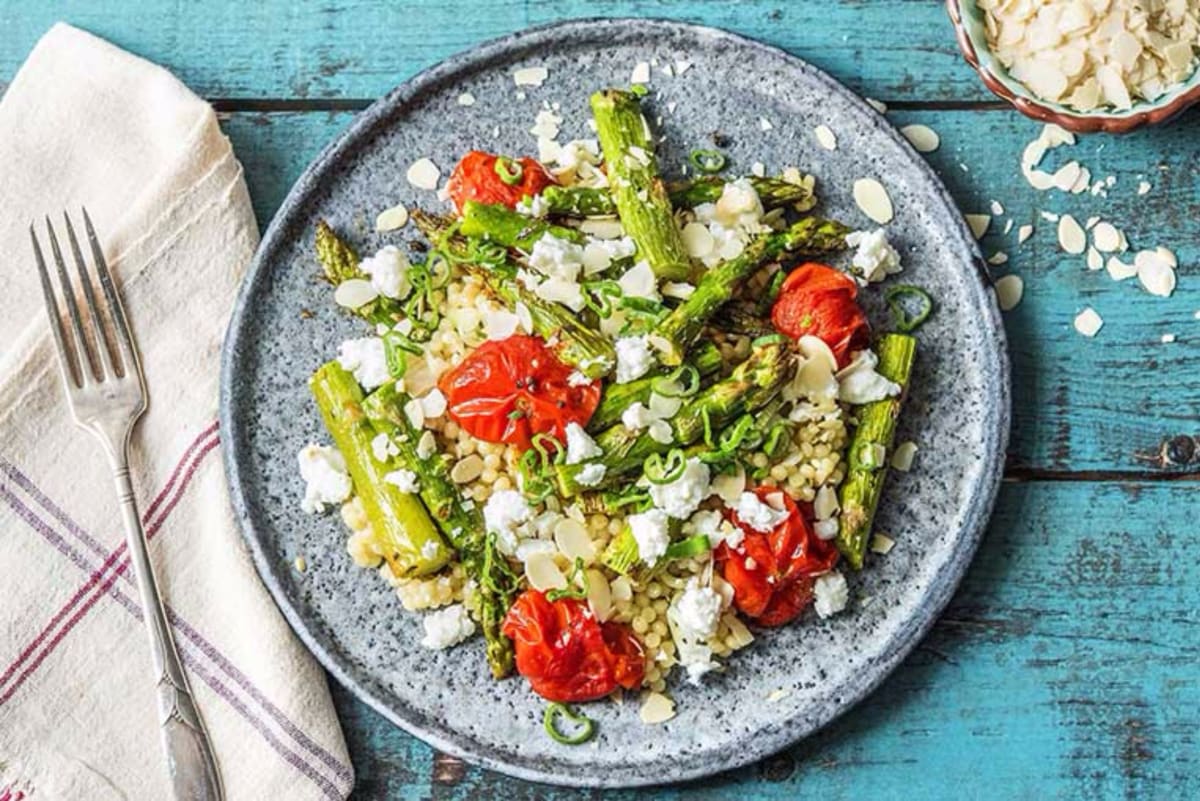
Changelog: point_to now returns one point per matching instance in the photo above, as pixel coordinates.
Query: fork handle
(190, 760)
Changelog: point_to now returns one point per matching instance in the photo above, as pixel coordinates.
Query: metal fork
(106, 392)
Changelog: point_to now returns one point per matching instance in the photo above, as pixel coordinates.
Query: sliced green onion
(768, 339)
(739, 434)
(393, 354)
(438, 265)
(664, 470)
(708, 430)
(485, 252)
(510, 171)
(639, 89)
(775, 439)
(639, 499)
(708, 160)
(572, 590)
(542, 443)
(772, 293)
(396, 340)
(682, 382)
(643, 306)
(689, 548)
(550, 722)
(598, 296)
(895, 297)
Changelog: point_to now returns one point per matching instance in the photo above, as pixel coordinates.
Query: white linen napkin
(84, 123)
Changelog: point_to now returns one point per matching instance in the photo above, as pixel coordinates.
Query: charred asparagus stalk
(683, 325)
(462, 527)
(870, 448)
(705, 357)
(509, 228)
(339, 261)
(638, 190)
(403, 530)
(581, 201)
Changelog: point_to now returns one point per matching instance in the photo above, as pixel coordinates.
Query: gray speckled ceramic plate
(958, 410)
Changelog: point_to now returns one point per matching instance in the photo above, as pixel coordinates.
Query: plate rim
(976, 514)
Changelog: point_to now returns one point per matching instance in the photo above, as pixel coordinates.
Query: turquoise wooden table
(1068, 664)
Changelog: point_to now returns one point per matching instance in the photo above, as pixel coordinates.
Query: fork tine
(94, 310)
(87, 365)
(120, 322)
(65, 363)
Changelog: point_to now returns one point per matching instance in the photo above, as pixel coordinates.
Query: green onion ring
(639, 89)
(767, 339)
(510, 171)
(709, 161)
(895, 296)
(572, 590)
(687, 549)
(660, 470)
(550, 722)
(596, 295)
(685, 375)
(775, 438)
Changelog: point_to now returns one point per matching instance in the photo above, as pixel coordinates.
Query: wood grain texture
(1103, 404)
(1064, 668)
(281, 49)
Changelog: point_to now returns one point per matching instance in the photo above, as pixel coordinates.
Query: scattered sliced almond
(354, 293)
(825, 137)
(1023, 233)
(1155, 272)
(424, 174)
(530, 76)
(1119, 270)
(1009, 289)
(1167, 339)
(999, 257)
(1107, 237)
(873, 199)
(573, 541)
(1071, 236)
(978, 223)
(902, 456)
(778, 695)
(466, 99)
(1088, 322)
(621, 588)
(1094, 260)
(923, 138)
(1008, 226)
(764, 124)
(656, 708)
(599, 595)
(882, 544)
(300, 563)
(641, 73)
(466, 469)
(997, 209)
(391, 219)
(542, 572)
(878, 105)
(1143, 187)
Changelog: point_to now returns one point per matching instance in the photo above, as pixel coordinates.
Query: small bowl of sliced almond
(1086, 65)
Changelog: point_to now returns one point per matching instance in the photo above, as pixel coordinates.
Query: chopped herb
(709, 161)
(510, 171)
(896, 295)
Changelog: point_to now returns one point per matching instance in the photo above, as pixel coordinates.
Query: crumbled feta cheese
(504, 515)
(365, 358)
(830, 593)
(858, 383)
(591, 474)
(383, 449)
(388, 270)
(500, 323)
(556, 258)
(636, 416)
(764, 124)
(580, 445)
(546, 127)
(466, 99)
(651, 530)
(533, 206)
(681, 497)
(578, 379)
(599, 254)
(756, 514)
(325, 478)
(680, 290)
(639, 281)
(447, 627)
(634, 358)
(641, 73)
(699, 610)
(711, 523)
(424, 174)
(1167, 339)
(875, 258)
(403, 480)
(1143, 187)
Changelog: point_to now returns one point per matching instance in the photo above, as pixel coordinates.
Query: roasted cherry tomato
(566, 654)
(772, 573)
(508, 390)
(820, 301)
(487, 178)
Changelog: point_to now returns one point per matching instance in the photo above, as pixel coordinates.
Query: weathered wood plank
(360, 49)
(1064, 668)
(1079, 404)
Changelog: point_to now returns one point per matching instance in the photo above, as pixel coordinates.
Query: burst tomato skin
(772, 573)
(508, 390)
(475, 178)
(820, 301)
(566, 654)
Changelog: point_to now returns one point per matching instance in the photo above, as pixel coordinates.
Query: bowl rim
(1039, 110)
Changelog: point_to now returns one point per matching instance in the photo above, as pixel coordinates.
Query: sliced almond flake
(354, 293)
(656, 708)
(1119, 270)
(573, 541)
(997, 258)
(666, 70)
(778, 695)
(978, 223)
(1048, 216)
(902, 456)
(997, 209)
(1167, 255)
(426, 445)
(1155, 273)
(1088, 323)
(622, 589)
(300, 563)
(729, 486)
(1009, 289)
(433, 404)
(1091, 222)
(1167, 339)
(882, 544)
(1094, 260)
(878, 105)
(466, 99)
(530, 76)
(682, 67)
(424, 174)
(641, 73)
(1081, 183)
(1023, 233)
(1067, 175)
(391, 219)
(1143, 187)
(1071, 236)
(764, 124)
(825, 137)
(873, 199)
(1008, 226)
(543, 574)
(415, 413)
(758, 169)
(1107, 237)
(923, 138)
(599, 595)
